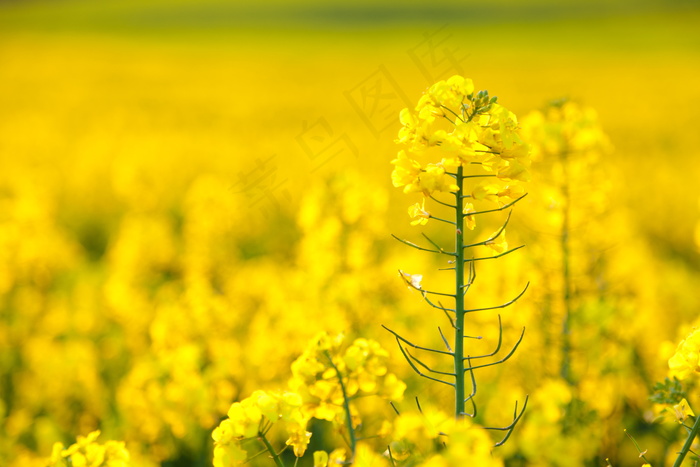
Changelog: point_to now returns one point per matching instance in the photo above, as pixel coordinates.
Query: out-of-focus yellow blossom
(498, 194)
(245, 422)
(682, 410)
(320, 459)
(418, 436)
(417, 427)
(366, 456)
(87, 452)
(498, 243)
(323, 459)
(467, 444)
(415, 434)
(227, 453)
(564, 127)
(488, 191)
(362, 367)
(686, 361)
(298, 438)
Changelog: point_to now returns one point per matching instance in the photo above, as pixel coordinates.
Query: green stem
(346, 407)
(688, 443)
(566, 276)
(271, 450)
(460, 391)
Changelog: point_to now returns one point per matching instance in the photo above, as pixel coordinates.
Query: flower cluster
(326, 376)
(324, 381)
(470, 130)
(686, 361)
(86, 452)
(564, 127)
(252, 417)
(436, 439)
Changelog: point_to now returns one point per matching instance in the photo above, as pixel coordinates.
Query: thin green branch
(411, 344)
(271, 450)
(413, 366)
(346, 406)
(471, 396)
(444, 339)
(492, 237)
(490, 257)
(498, 346)
(439, 307)
(441, 249)
(442, 220)
(504, 305)
(509, 428)
(418, 361)
(442, 202)
(510, 354)
(411, 244)
(437, 293)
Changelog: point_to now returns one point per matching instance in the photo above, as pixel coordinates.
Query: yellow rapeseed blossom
(362, 367)
(406, 172)
(418, 435)
(467, 444)
(337, 457)
(245, 421)
(87, 452)
(682, 410)
(686, 361)
(472, 130)
(497, 242)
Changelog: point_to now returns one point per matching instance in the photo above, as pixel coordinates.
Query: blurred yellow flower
(686, 360)
(498, 243)
(682, 410)
(86, 452)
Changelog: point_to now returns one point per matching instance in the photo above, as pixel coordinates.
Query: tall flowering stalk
(477, 157)
(567, 146)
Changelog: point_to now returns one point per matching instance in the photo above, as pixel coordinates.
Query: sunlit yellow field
(191, 192)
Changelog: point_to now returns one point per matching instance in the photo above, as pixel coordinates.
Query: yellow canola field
(180, 215)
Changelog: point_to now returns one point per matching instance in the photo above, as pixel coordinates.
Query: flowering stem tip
(482, 159)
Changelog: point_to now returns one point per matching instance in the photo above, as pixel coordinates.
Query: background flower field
(190, 191)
